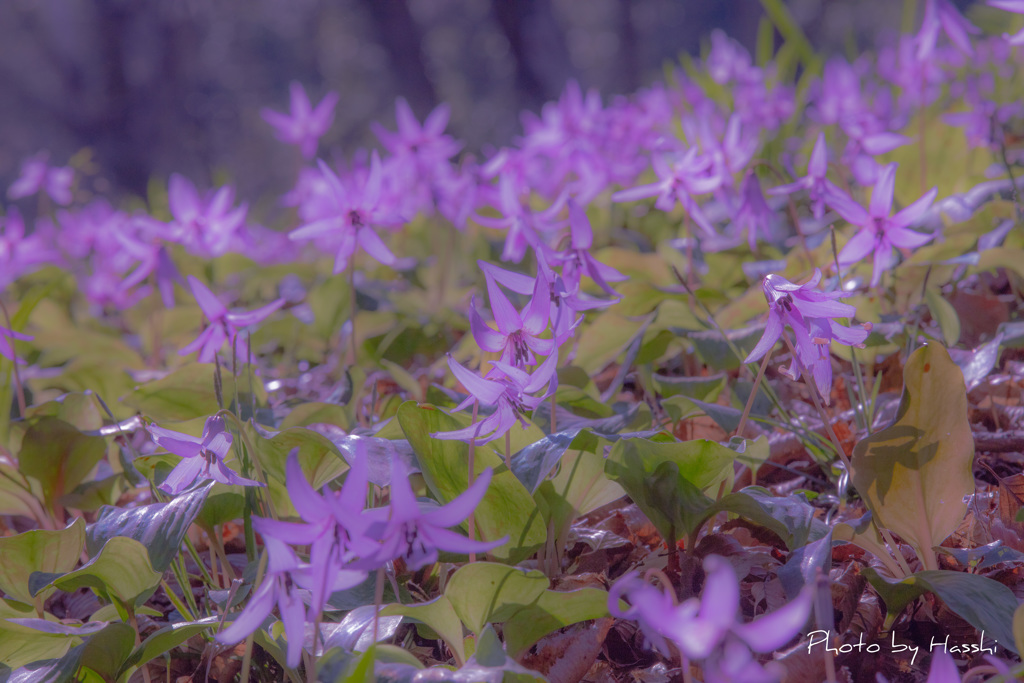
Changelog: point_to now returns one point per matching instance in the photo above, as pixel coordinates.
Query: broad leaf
(439, 615)
(485, 592)
(670, 482)
(915, 474)
(791, 517)
(506, 509)
(58, 456)
(984, 603)
(188, 393)
(38, 550)
(120, 571)
(552, 611)
(160, 526)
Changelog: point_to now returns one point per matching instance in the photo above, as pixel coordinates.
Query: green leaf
(106, 651)
(552, 611)
(791, 517)
(164, 640)
(21, 645)
(38, 550)
(489, 657)
(485, 592)
(915, 474)
(669, 482)
(439, 615)
(120, 571)
(944, 314)
(1018, 628)
(506, 509)
(187, 393)
(58, 456)
(159, 526)
(16, 494)
(984, 603)
(313, 412)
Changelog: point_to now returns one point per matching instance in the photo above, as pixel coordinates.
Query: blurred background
(140, 89)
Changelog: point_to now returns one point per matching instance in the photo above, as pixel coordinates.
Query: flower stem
(471, 522)
(19, 388)
(352, 311)
(508, 450)
(753, 393)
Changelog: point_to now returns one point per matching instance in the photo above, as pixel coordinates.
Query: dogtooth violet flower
(879, 232)
(38, 176)
(224, 325)
(814, 182)
(510, 394)
(333, 526)
(415, 532)
(707, 629)
(578, 260)
(809, 313)
(352, 218)
(205, 225)
(306, 124)
(517, 337)
(202, 457)
(277, 589)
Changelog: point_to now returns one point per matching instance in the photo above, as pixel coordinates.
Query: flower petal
(881, 198)
(211, 306)
(486, 391)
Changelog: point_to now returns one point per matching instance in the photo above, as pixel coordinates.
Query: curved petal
(535, 317)
(881, 198)
(211, 306)
(485, 390)
(182, 476)
(859, 246)
(852, 212)
(247, 318)
(911, 213)
(226, 475)
(308, 503)
(772, 332)
(817, 166)
(373, 245)
(851, 336)
(460, 507)
(505, 314)
(452, 542)
(582, 235)
(254, 614)
(487, 338)
(773, 630)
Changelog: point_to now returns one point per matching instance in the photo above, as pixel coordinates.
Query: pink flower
(306, 124)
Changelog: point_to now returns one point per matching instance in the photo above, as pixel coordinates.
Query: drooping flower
(517, 337)
(524, 226)
(578, 260)
(688, 174)
(277, 589)
(38, 176)
(754, 215)
(224, 326)
(707, 629)
(305, 125)
(415, 532)
(205, 225)
(352, 217)
(333, 526)
(809, 313)
(815, 182)
(510, 394)
(202, 458)
(880, 233)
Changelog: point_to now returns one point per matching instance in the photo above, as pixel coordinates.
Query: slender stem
(508, 450)
(472, 476)
(378, 598)
(894, 548)
(134, 622)
(553, 405)
(352, 311)
(19, 388)
(753, 393)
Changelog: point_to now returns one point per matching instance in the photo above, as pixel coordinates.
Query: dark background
(152, 87)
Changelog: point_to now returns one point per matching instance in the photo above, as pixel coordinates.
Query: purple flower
(880, 233)
(815, 181)
(352, 217)
(6, 344)
(306, 124)
(809, 313)
(579, 260)
(1016, 6)
(223, 326)
(707, 629)
(754, 215)
(204, 225)
(202, 458)
(523, 225)
(278, 589)
(941, 15)
(414, 532)
(689, 174)
(20, 254)
(517, 337)
(564, 300)
(333, 526)
(38, 176)
(424, 144)
(511, 395)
